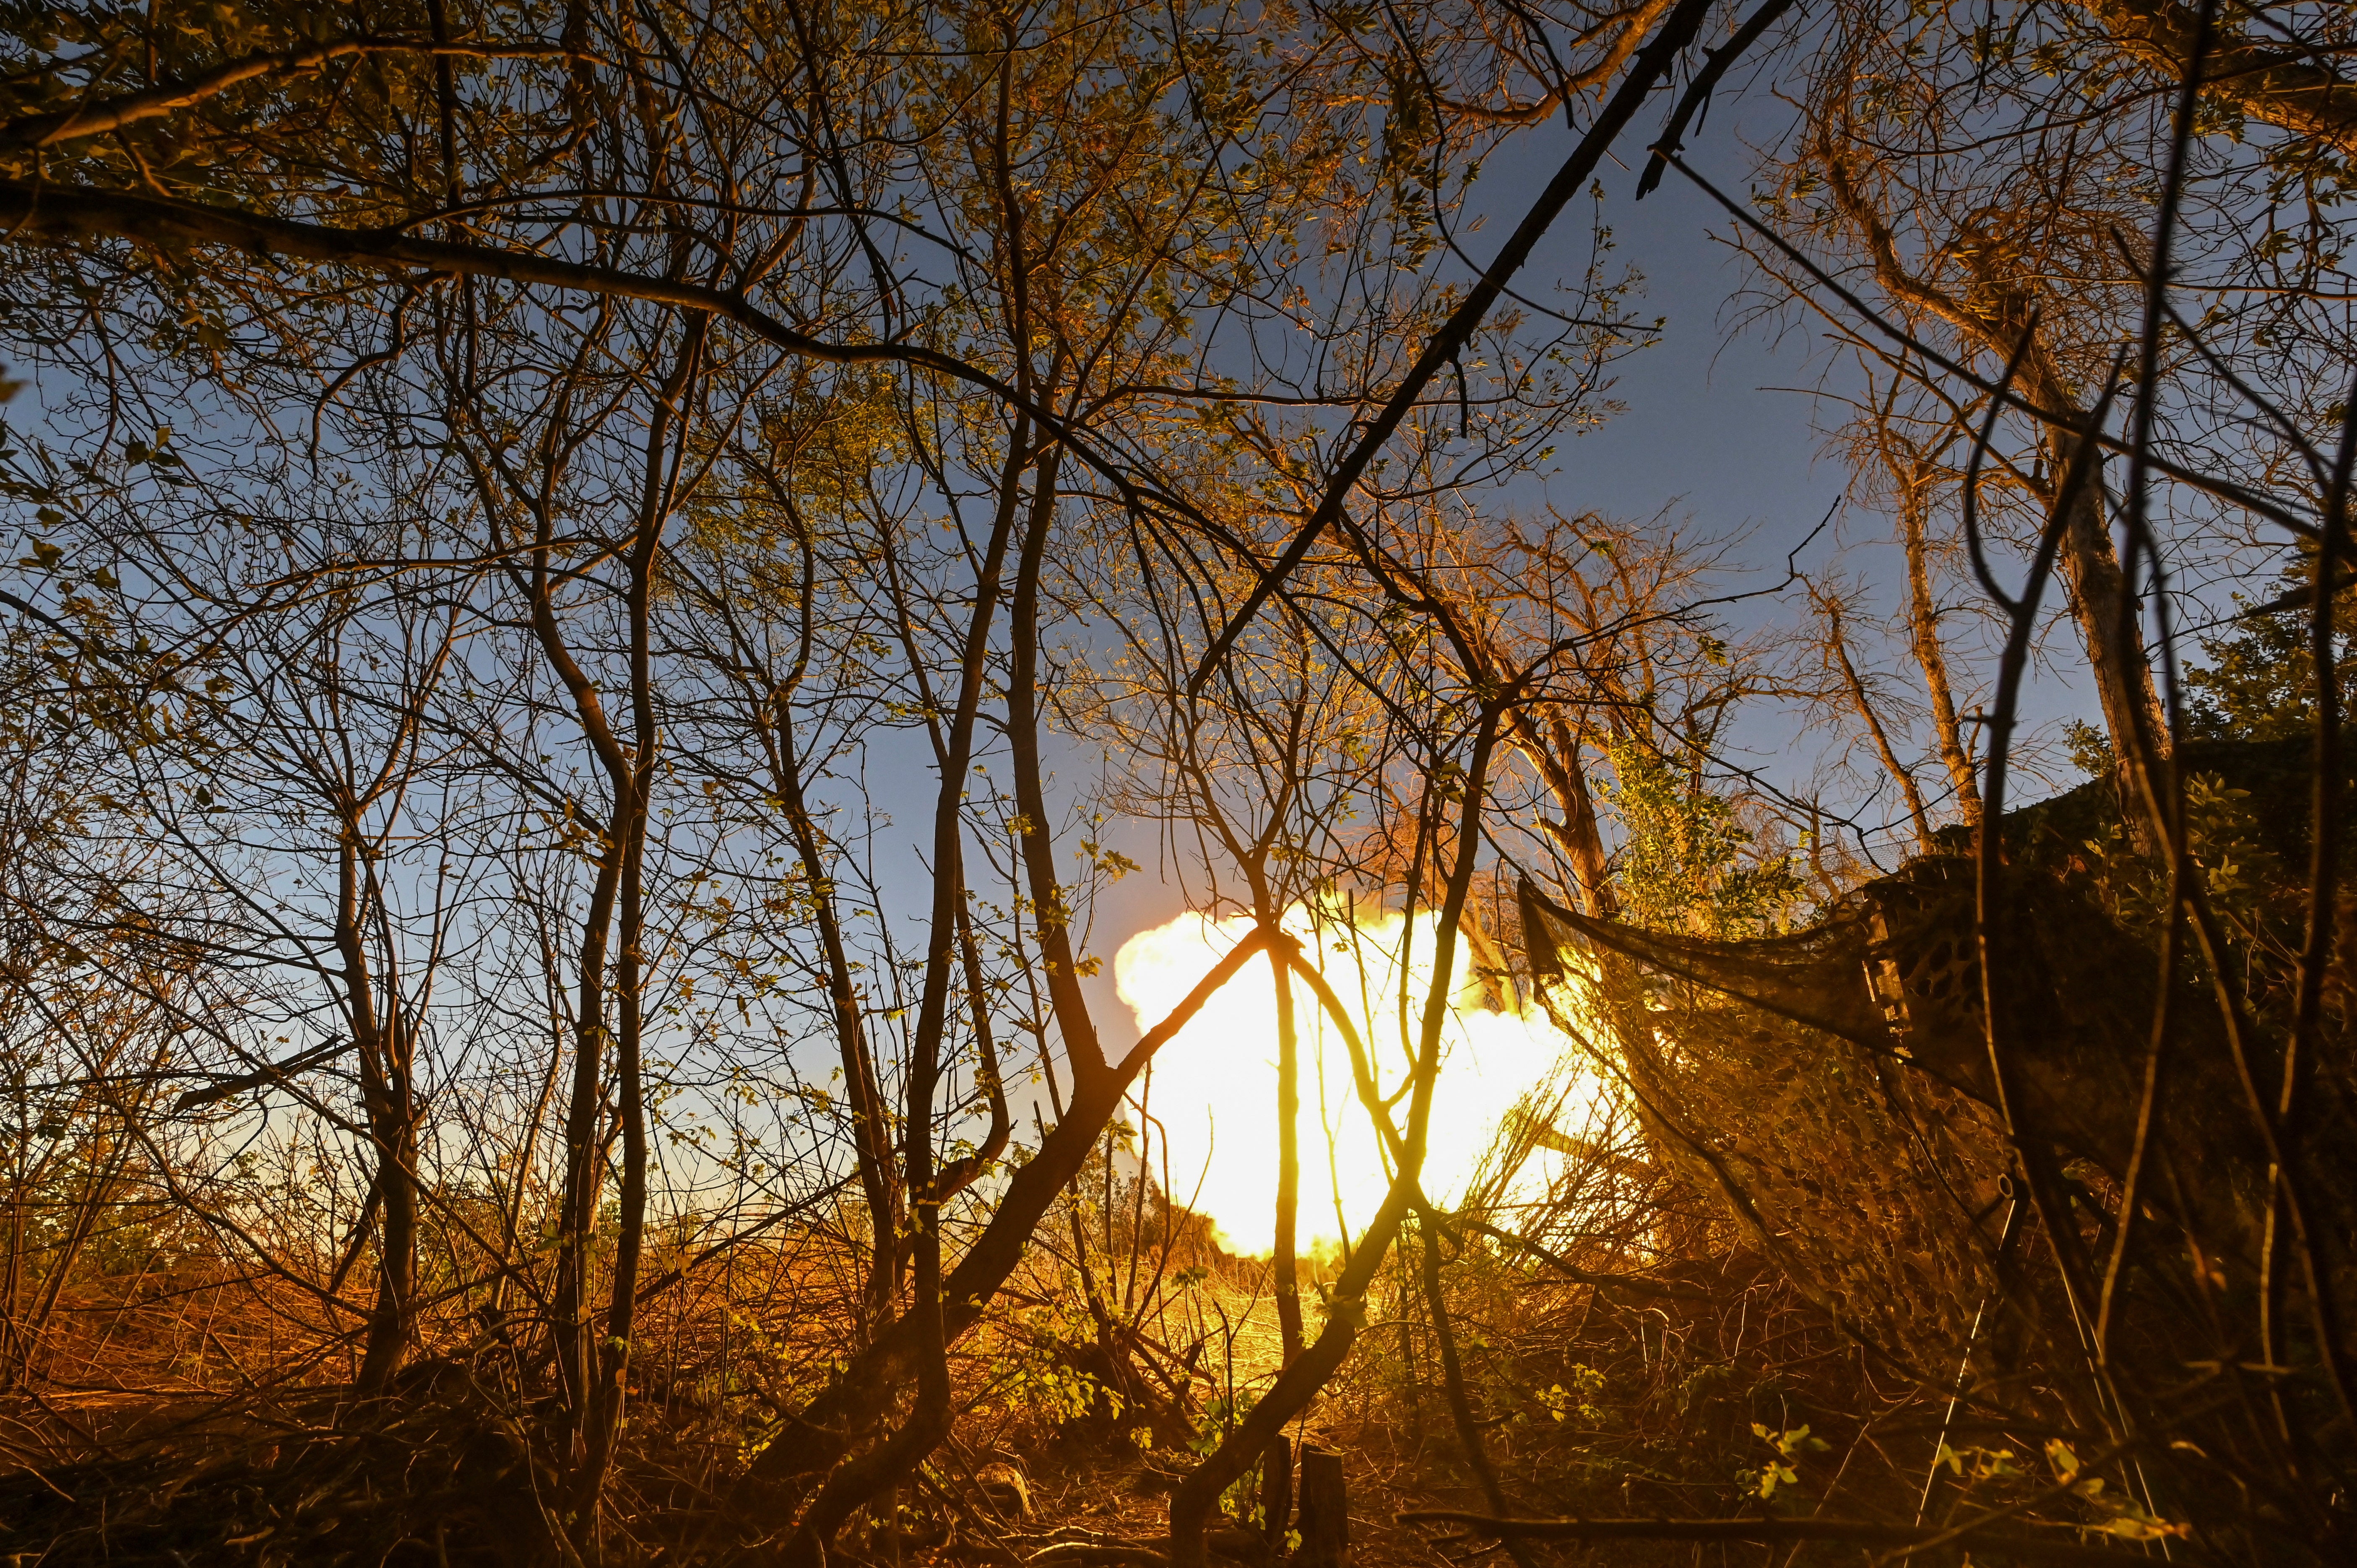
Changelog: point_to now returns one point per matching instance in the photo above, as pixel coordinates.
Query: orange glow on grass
(1213, 1090)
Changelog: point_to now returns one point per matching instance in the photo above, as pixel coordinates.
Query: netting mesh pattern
(1779, 1073)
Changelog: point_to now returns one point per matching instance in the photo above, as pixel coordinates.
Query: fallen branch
(1086, 1549)
(1760, 1532)
(1092, 1554)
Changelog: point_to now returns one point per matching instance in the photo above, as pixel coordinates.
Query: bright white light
(1213, 1089)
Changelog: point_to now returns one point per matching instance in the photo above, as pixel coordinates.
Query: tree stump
(1276, 1494)
(1325, 1520)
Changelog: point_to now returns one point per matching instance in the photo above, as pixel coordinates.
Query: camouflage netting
(1833, 1084)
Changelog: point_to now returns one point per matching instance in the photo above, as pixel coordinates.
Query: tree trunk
(1930, 656)
(923, 1334)
(2293, 89)
(1555, 752)
(1283, 1262)
(2001, 318)
(1325, 1512)
(871, 1135)
(385, 1097)
(1596, 895)
(1837, 645)
(1452, 1377)
(1277, 1494)
(865, 1388)
(2108, 627)
(1346, 1316)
